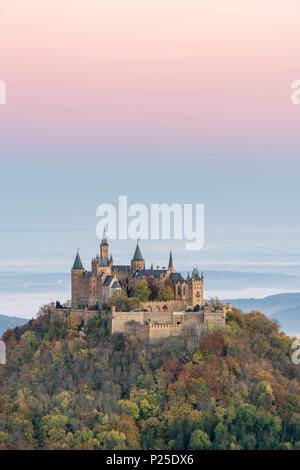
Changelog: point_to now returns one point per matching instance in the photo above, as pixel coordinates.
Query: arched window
(178, 290)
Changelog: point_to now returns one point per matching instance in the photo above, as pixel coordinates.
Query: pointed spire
(104, 239)
(195, 274)
(137, 254)
(151, 266)
(77, 263)
(171, 260)
(202, 276)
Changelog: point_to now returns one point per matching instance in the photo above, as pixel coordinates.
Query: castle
(95, 287)
(185, 311)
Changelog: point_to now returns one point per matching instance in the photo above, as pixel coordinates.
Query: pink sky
(210, 72)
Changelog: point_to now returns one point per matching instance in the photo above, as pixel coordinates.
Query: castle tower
(170, 267)
(137, 261)
(195, 289)
(104, 247)
(76, 274)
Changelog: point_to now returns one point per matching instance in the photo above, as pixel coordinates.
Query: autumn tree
(141, 291)
(154, 287)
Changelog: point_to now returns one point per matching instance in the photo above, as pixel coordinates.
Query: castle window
(178, 290)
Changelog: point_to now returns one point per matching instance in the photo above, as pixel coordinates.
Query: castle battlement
(165, 325)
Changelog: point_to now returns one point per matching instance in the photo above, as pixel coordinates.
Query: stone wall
(152, 333)
(117, 320)
(158, 332)
(161, 306)
(138, 330)
(217, 317)
(84, 315)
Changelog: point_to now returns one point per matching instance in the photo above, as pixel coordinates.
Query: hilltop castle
(186, 311)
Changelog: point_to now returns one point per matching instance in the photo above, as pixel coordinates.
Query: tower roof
(104, 239)
(137, 254)
(77, 263)
(171, 260)
(195, 274)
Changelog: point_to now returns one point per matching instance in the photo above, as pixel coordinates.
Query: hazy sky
(162, 100)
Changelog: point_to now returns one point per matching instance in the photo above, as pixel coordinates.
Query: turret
(195, 288)
(170, 267)
(137, 261)
(77, 263)
(104, 247)
(77, 271)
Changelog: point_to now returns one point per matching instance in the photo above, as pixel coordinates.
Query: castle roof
(116, 285)
(121, 268)
(108, 280)
(171, 260)
(195, 274)
(77, 263)
(104, 239)
(137, 254)
(176, 277)
(91, 274)
(149, 272)
(103, 262)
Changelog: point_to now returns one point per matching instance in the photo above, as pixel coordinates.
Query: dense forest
(66, 386)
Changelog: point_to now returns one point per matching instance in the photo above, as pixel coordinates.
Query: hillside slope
(232, 388)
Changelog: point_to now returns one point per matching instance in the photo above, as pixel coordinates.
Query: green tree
(130, 408)
(134, 303)
(199, 440)
(167, 293)
(142, 291)
(118, 300)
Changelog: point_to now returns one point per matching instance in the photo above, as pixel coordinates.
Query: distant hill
(267, 305)
(283, 307)
(289, 319)
(10, 322)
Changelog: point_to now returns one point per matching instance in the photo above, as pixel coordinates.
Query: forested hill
(233, 388)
